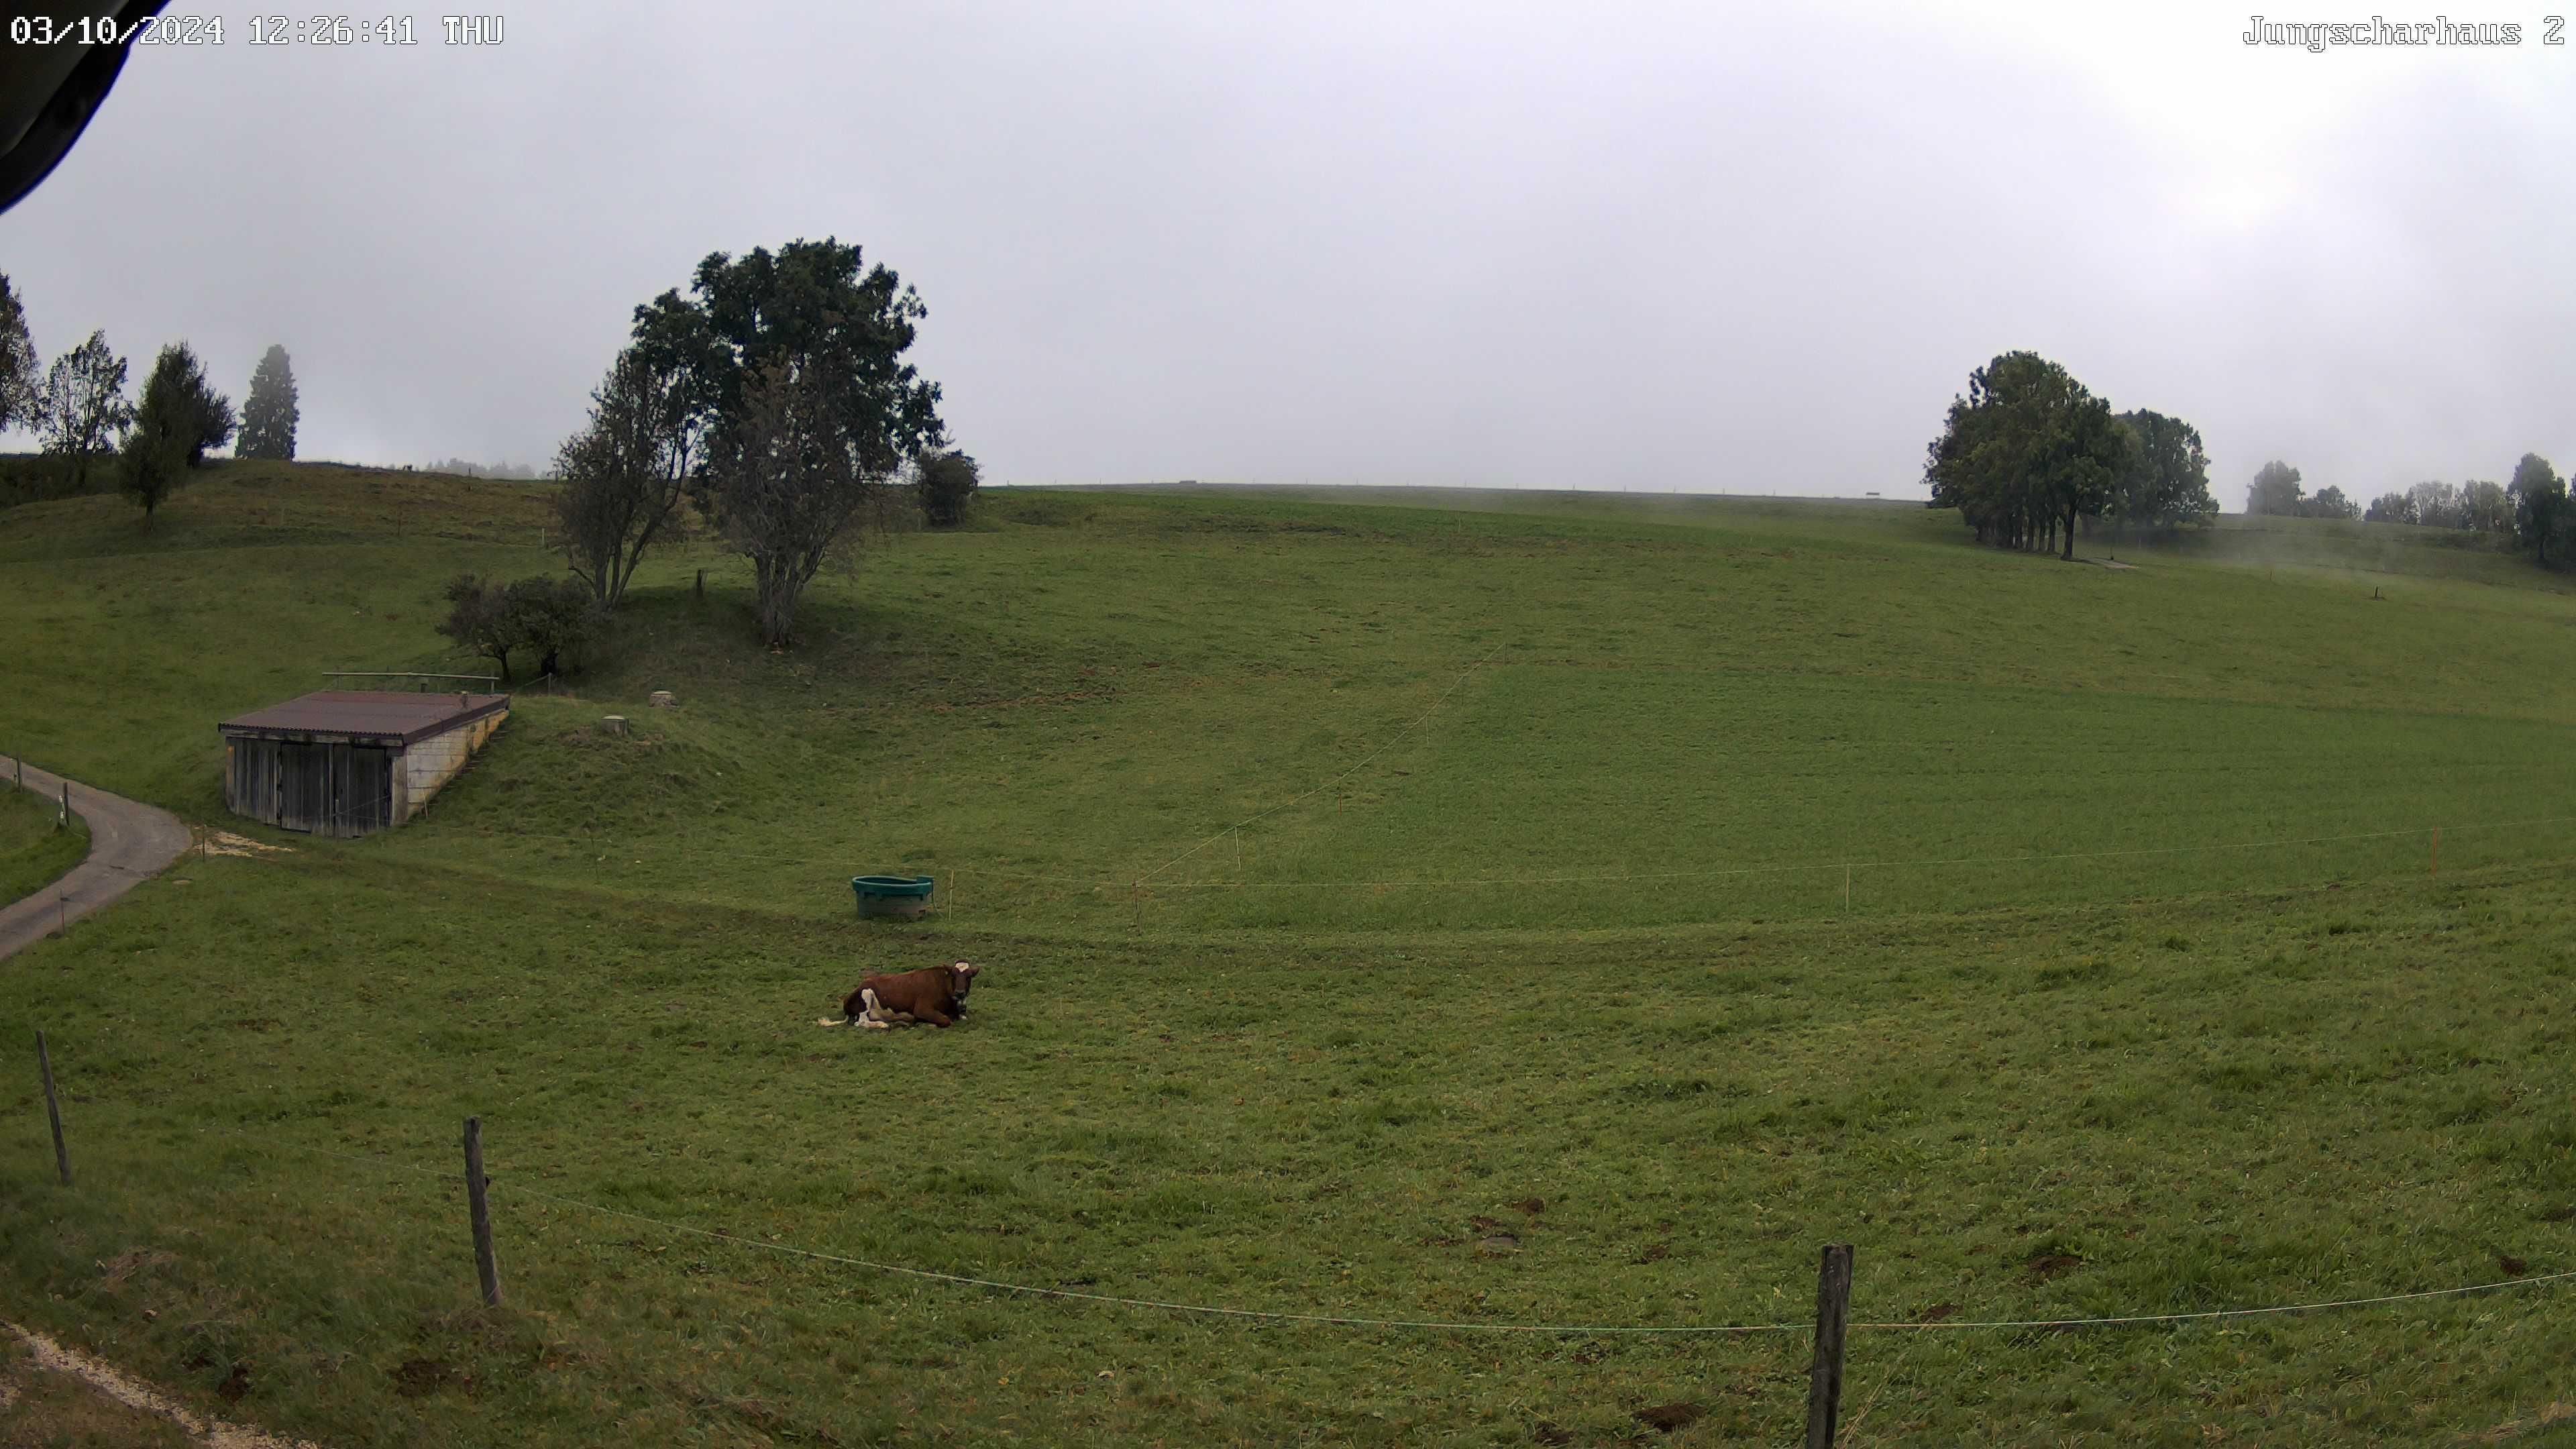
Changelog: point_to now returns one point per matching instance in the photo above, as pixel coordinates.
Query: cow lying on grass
(934, 994)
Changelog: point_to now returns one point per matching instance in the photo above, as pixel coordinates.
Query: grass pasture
(1531, 994)
(32, 852)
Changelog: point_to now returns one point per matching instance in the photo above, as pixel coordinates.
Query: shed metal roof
(391, 716)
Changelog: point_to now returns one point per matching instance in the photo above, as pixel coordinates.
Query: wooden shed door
(333, 789)
(303, 785)
(362, 790)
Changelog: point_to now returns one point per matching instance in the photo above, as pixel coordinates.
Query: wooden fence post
(53, 1113)
(1825, 1379)
(484, 1268)
(64, 820)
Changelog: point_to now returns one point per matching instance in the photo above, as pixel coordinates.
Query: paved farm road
(128, 842)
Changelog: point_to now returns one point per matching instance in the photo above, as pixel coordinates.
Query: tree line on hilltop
(79, 410)
(2530, 511)
(2028, 453)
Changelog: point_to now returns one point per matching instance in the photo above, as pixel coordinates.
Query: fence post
(53, 1113)
(64, 820)
(1825, 1379)
(484, 1268)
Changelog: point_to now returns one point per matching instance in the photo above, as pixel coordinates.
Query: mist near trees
(270, 412)
(464, 469)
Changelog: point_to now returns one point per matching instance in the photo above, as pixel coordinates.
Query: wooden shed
(348, 761)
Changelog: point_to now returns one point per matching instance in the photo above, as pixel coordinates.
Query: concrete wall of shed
(430, 763)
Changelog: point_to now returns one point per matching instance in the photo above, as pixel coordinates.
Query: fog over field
(1644, 246)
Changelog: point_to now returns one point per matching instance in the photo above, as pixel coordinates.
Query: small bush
(555, 618)
(946, 484)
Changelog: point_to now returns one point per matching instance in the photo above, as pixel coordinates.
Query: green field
(32, 851)
(1671, 885)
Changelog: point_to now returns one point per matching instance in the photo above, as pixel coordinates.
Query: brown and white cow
(934, 994)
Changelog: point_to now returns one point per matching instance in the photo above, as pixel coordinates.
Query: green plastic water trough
(892, 895)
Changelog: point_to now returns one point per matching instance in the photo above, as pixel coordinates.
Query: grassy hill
(1669, 885)
(32, 851)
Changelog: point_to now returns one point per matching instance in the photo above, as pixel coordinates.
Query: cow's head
(963, 974)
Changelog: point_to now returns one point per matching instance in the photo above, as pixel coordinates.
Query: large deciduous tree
(82, 411)
(2487, 507)
(2390, 508)
(2539, 503)
(791, 480)
(2437, 504)
(2275, 489)
(180, 417)
(269, 411)
(2328, 502)
(2164, 475)
(2025, 452)
(797, 358)
(626, 471)
(20, 380)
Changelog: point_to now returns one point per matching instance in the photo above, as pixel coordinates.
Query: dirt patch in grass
(1665, 1418)
(417, 1376)
(126, 1264)
(224, 842)
(2052, 1265)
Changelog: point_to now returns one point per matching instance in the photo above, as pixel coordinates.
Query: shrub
(946, 482)
(556, 618)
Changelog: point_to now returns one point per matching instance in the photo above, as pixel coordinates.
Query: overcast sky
(1688, 246)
